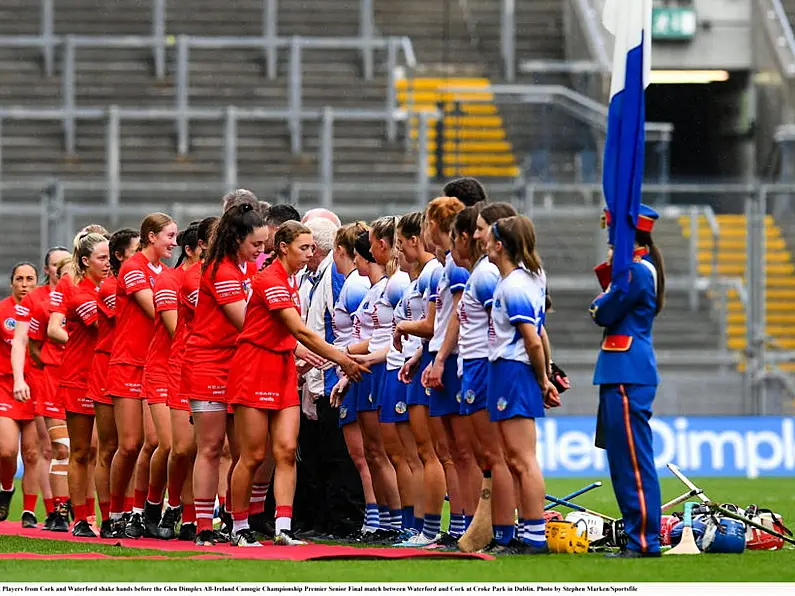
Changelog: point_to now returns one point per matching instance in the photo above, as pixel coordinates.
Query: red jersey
(134, 328)
(166, 291)
(214, 336)
(106, 308)
(272, 290)
(25, 309)
(9, 322)
(51, 352)
(187, 297)
(81, 314)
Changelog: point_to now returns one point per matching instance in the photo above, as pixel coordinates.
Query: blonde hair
(64, 263)
(84, 247)
(385, 228)
(347, 235)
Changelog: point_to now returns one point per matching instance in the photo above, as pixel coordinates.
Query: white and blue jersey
(452, 281)
(395, 359)
(519, 298)
(476, 330)
(365, 320)
(512, 385)
(385, 303)
(427, 288)
(350, 298)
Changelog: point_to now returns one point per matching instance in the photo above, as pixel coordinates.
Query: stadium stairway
(780, 281)
(474, 134)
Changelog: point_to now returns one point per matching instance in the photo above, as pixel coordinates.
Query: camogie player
(441, 376)
(122, 245)
(263, 384)
(156, 370)
(194, 242)
(414, 245)
(135, 313)
(26, 357)
(17, 424)
(353, 291)
(518, 384)
(470, 232)
(78, 311)
(224, 292)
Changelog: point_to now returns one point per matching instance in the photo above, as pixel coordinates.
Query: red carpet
(309, 552)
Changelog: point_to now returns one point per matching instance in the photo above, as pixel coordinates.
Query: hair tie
(496, 232)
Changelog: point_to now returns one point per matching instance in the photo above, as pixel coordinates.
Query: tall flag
(630, 23)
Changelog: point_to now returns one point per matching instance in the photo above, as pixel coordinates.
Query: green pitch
(776, 493)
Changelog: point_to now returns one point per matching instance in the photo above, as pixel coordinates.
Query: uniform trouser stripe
(636, 468)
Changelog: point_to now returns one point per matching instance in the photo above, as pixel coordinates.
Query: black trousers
(328, 495)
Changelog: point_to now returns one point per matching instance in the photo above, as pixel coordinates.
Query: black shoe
(135, 527)
(61, 521)
(447, 543)
(245, 538)
(83, 530)
(167, 529)
(117, 528)
(514, 547)
(106, 529)
(187, 532)
(221, 536)
(260, 524)
(226, 521)
(151, 519)
(205, 538)
(49, 520)
(381, 536)
(29, 520)
(633, 554)
(5, 502)
(70, 510)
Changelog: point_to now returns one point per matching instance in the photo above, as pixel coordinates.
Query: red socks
(104, 510)
(204, 514)
(139, 500)
(118, 504)
(49, 505)
(189, 513)
(256, 504)
(29, 502)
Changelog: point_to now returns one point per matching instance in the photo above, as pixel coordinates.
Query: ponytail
(518, 237)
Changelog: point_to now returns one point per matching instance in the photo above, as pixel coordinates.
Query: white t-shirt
(453, 281)
(384, 309)
(403, 312)
(476, 329)
(351, 296)
(519, 298)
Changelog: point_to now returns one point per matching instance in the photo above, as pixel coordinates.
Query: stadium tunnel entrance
(713, 129)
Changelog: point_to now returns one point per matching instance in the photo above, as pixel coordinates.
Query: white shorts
(198, 406)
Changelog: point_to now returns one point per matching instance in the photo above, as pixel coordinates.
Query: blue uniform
(513, 389)
(426, 291)
(353, 291)
(626, 372)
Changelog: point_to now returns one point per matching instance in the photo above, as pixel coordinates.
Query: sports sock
(534, 533)
(129, 503)
(468, 521)
(49, 505)
(139, 500)
(503, 534)
(383, 517)
(432, 525)
(80, 513)
(456, 528)
(29, 502)
(189, 513)
(154, 495)
(104, 510)
(284, 518)
(408, 517)
(396, 519)
(91, 506)
(239, 521)
(204, 514)
(371, 518)
(256, 504)
(117, 508)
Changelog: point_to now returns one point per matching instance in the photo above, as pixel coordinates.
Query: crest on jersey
(400, 407)
(428, 391)
(370, 398)
(502, 403)
(343, 413)
(151, 282)
(458, 397)
(470, 396)
(10, 324)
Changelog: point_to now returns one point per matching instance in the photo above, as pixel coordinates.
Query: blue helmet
(724, 535)
(699, 526)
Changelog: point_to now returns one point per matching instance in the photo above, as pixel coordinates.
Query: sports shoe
(222, 537)
(70, 510)
(406, 534)
(226, 522)
(286, 538)
(83, 530)
(29, 520)
(381, 536)
(167, 529)
(419, 541)
(49, 520)
(106, 529)
(135, 527)
(446, 543)
(245, 537)
(205, 538)
(260, 524)
(61, 520)
(514, 547)
(151, 519)
(5, 502)
(187, 532)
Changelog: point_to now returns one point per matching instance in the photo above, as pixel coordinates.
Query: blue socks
(457, 525)
(432, 525)
(371, 521)
(503, 534)
(533, 533)
(408, 517)
(396, 519)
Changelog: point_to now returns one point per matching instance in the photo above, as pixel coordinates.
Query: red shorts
(98, 379)
(10, 407)
(204, 383)
(125, 380)
(176, 401)
(156, 388)
(263, 379)
(48, 403)
(76, 400)
(35, 380)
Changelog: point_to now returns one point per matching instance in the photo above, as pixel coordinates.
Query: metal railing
(230, 115)
(779, 29)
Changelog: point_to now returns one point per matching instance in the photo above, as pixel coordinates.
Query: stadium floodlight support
(47, 33)
(755, 211)
(159, 36)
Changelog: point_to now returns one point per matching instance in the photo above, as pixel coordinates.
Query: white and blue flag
(630, 23)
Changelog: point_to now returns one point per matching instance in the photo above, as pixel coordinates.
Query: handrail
(786, 30)
(594, 38)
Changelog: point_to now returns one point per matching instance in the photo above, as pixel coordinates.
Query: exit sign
(673, 23)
